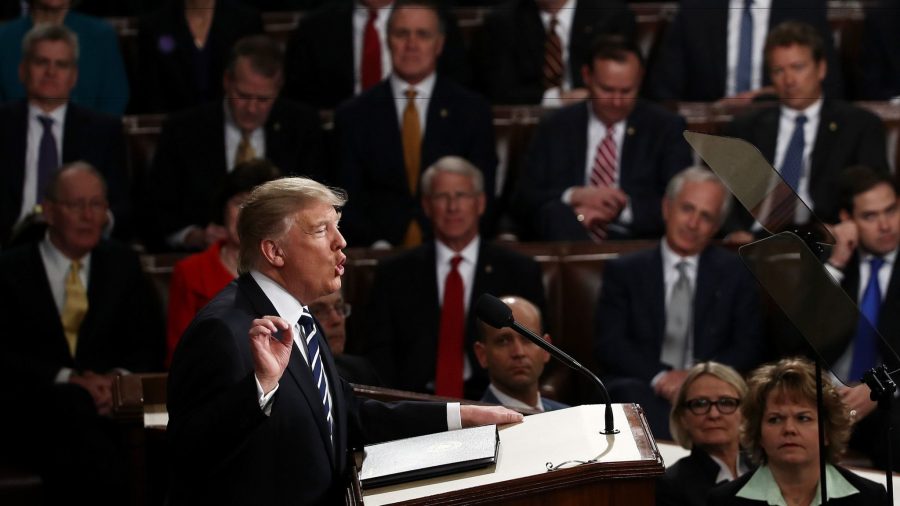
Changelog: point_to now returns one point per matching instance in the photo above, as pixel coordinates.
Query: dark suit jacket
(688, 481)
(405, 315)
(880, 65)
(225, 450)
(848, 135)
(322, 74)
(631, 314)
(168, 73)
(548, 404)
(94, 137)
(693, 59)
(511, 53)
(370, 151)
(190, 162)
(653, 151)
(870, 493)
(122, 328)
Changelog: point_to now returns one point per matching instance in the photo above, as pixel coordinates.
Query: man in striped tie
(599, 169)
(266, 419)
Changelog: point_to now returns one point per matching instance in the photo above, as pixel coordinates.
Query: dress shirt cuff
(552, 97)
(64, 374)
(626, 217)
(454, 419)
(835, 273)
(265, 399)
(567, 196)
(658, 377)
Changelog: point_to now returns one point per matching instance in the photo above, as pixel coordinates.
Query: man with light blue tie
(863, 261)
(808, 138)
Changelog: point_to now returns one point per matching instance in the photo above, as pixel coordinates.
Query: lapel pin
(276, 126)
(832, 126)
(630, 131)
(489, 268)
(444, 113)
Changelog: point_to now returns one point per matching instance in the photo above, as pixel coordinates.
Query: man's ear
(273, 253)
(481, 354)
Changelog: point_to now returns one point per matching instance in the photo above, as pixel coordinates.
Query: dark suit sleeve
(667, 79)
(499, 55)
(873, 147)
(747, 348)
(540, 180)
(615, 347)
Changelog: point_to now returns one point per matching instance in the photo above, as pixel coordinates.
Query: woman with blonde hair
(704, 419)
(781, 432)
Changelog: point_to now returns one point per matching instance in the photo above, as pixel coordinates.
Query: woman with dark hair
(781, 432)
(197, 278)
(706, 420)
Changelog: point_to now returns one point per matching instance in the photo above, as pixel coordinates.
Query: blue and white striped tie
(315, 364)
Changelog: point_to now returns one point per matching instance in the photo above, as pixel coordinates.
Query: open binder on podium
(789, 263)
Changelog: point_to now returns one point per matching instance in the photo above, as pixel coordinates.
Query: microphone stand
(564, 357)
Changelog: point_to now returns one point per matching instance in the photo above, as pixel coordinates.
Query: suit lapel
(19, 145)
(632, 148)
(71, 134)
(718, 44)
(342, 45)
(298, 369)
(531, 47)
(657, 287)
(705, 295)
(579, 136)
(437, 122)
(826, 137)
(35, 275)
(769, 127)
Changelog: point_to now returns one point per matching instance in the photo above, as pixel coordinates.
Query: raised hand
(270, 353)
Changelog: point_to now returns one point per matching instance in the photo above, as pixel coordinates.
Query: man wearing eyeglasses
(89, 314)
(422, 327)
(45, 130)
(332, 312)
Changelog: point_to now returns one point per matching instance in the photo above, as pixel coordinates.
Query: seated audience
(663, 309)
(715, 49)
(199, 277)
(513, 363)
(183, 48)
(706, 420)
(385, 141)
(200, 146)
(532, 51)
(342, 49)
(599, 169)
(332, 312)
(880, 60)
(45, 130)
(422, 322)
(809, 138)
(864, 262)
(102, 84)
(89, 314)
(781, 433)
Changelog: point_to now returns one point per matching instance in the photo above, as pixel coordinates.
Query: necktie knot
(800, 120)
(554, 22)
(682, 267)
(748, 4)
(76, 266)
(410, 94)
(876, 263)
(373, 15)
(454, 262)
(46, 121)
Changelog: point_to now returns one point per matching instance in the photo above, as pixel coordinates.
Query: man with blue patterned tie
(266, 419)
(863, 261)
(808, 137)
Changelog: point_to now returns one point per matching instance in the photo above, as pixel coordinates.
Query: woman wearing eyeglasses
(704, 419)
(780, 431)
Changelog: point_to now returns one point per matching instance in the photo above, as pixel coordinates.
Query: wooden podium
(627, 465)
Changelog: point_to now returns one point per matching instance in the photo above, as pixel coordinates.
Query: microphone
(497, 314)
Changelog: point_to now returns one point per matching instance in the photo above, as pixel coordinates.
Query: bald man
(514, 364)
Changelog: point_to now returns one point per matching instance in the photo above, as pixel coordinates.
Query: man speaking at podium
(266, 419)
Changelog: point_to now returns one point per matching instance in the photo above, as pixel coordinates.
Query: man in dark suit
(660, 310)
(326, 74)
(805, 135)
(266, 419)
(410, 315)
(198, 147)
(386, 141)
(599, 169)
(514, 363)
(867, 241)
(700, 55)
(80, 133)
(512, 54)
(91, 314)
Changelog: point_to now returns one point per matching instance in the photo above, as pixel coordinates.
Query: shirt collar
(762, 487)
(888, 258)
(229, 121)
(671, 259)
(443, 253)
(58, 114)
(59, 259)
(285, 304)
(564, 17)
(512, 402)
(810, 112)
(423, 90)
(593, 120)
(724, 472)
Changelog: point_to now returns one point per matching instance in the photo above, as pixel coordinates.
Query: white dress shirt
(512, 402)
(424, 90)
(760, 11)
(33, 145)
(360, 18)
(233, 139)
(564, 18)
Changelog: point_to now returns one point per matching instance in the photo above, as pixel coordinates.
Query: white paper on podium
(525, 448)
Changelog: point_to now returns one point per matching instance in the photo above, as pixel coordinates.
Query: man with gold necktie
(88, 314)
(390, 133)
